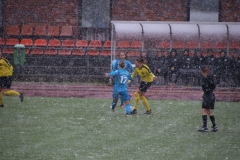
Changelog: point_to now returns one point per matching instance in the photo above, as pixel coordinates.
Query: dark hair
(122, 64)
(205, 69)
(140, 60)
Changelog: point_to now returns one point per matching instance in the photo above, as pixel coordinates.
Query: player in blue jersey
(128, 67)
(120, 87)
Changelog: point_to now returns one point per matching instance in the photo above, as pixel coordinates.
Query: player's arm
(152, 75)
(111, 74)
(130, 67)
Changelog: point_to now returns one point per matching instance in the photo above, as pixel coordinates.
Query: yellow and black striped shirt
(144, 72)
(6, 69)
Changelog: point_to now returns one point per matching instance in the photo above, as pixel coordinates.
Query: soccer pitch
(85, 129)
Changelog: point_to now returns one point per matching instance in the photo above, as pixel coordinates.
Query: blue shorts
(124, 95)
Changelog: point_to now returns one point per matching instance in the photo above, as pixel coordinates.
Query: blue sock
(114, 105)
(128, 109)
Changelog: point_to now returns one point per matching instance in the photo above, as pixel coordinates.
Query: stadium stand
(10, 43)
(13, 30)
(66, 31)
(53, 31)
(40, 31)
(27, 30)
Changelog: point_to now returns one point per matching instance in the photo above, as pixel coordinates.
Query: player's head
(139, 61)
(122, 55)
(121, 64)
(205, 71)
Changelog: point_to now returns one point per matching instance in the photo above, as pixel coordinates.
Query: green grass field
(82, 129)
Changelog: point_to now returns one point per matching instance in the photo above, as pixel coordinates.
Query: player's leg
(136, 100)
(127, 107)
(11, 92)
(122, 104)
(115, 96)
(126, 99)
(143, 90)
(212, 118)
(1, 98)
(204, 119)
(145, 103)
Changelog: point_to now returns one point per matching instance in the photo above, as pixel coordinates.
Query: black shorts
(208, 101)
(6, 82)
(144, 86)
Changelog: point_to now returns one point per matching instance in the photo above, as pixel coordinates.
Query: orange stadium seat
(8, 50)
(133, 53)
(68, 43)
(178, 44)
(107, 44)
(95, 43)
(64, 52)
(27, 43)
(123, 44)
(66, 31)
(36, 51)
(40, 31)
(50, 52)
(163, 45)
(40, 43)
(192, 45)
(206, 45)
(13, 30)
(2, 41)
(93, 53)
(136, 44)
(234, 45)
(221, 45)
(54, 43)
(81, 44)
(78, 52)
(27, 30)
(12, 41)
(105, 53)
(53, 31)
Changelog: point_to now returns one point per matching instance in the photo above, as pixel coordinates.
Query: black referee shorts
(208, 101)
(144, 86)
(6, 82)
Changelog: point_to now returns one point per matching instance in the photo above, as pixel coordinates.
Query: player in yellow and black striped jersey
(6, 71)
(147, 78)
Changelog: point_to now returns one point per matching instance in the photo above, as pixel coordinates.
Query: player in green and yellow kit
(147, 78)
(6, 71)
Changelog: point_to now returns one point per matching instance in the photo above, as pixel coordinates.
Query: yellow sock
(1, 98)
(145, 103)
(136, 99)
(11, 93)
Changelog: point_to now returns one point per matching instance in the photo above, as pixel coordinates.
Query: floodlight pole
(227, 40)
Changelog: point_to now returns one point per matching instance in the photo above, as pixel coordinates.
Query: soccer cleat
(122, 106)
(111, 108)
(2, 105)
(215, 129)
(203, 129)
(134, 111)
(21, 97)
(148, 112)
(128, 115)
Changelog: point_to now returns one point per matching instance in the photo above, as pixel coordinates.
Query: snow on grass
(73, 128)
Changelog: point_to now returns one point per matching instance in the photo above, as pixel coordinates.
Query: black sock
(213, 120)
(204, 118)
